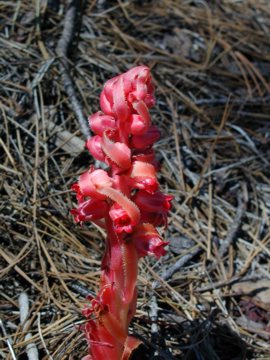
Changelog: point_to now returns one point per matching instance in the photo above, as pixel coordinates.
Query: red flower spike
(126, 202)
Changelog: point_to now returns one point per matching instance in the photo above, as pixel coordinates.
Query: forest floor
(209, 297)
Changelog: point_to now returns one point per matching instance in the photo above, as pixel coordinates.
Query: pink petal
(92, 182)
(93, 145)
(99, 122)
(154, 207)
(142, 169)
(137, 125)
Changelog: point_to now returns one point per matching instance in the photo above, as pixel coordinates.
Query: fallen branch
(62, 51)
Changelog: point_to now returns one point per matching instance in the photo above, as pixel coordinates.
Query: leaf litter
(208, 297)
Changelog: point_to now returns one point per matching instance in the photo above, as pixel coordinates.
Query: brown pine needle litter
(209, 297)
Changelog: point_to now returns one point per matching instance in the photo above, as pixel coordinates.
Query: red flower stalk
(127, 202)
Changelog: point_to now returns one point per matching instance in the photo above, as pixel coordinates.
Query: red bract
(127, 202)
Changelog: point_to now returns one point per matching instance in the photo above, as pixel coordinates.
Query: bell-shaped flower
(130, 208)
(143, 176)
(154, 207)
(90, 210)
(100, 122)
(93, 182)
(148, 241)
(93, 145)
(147, 139)
(121, 220)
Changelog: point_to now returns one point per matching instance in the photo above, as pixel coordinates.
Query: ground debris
(210, 63)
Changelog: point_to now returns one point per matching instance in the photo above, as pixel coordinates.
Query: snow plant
(126, 201)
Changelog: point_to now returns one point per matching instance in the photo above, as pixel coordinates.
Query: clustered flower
(127, 202)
